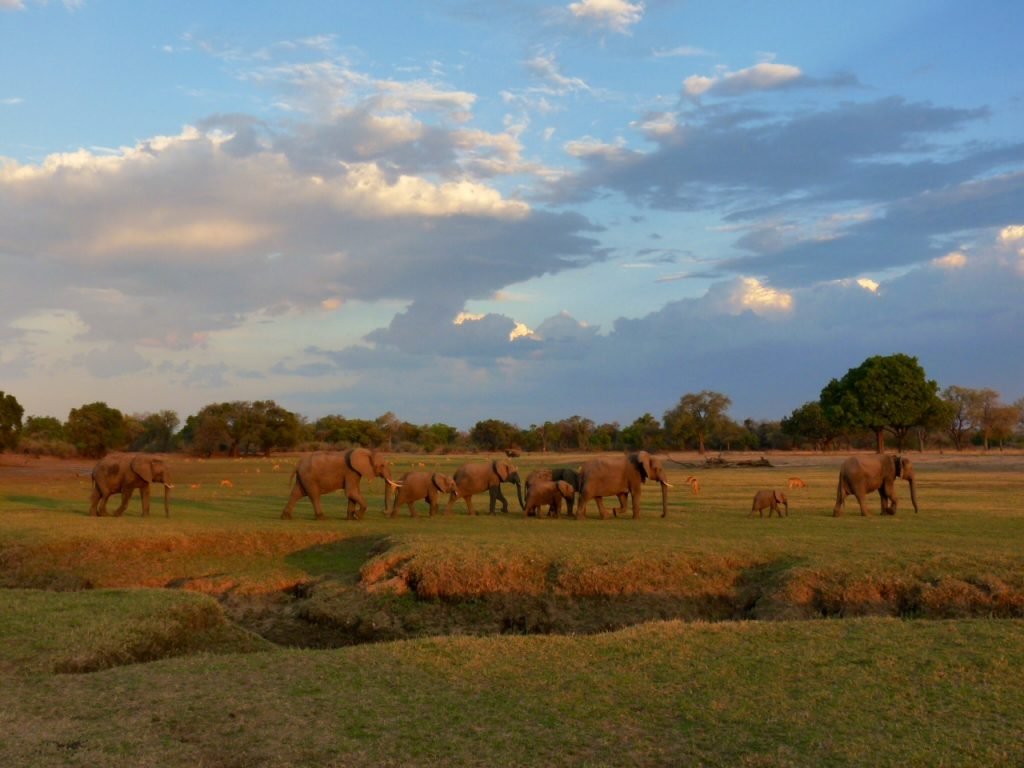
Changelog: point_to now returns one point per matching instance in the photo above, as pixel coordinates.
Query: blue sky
(518, 210)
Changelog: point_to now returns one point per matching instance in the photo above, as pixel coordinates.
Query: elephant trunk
(519, 492)
(913, 493)
(664, 498)
(167, 494)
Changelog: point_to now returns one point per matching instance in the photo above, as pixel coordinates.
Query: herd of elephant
(621, 476)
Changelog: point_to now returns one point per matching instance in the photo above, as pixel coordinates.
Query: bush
(36, 446)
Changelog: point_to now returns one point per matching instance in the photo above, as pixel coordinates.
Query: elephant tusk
(396, 485)
(667, 485)
(168, 485)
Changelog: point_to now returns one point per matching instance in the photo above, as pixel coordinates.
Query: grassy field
(224, 636)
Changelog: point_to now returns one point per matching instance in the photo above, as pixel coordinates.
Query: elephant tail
(296, 479)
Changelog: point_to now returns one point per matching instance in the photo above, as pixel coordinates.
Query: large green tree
(95, 429)
(494, 434)
(10, 420)
(696, 417)
(808, 423)
(644, 433)
(882, 393)
(241, 427)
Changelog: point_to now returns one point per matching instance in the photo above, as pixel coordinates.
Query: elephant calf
(571, 476)
(419, 486)
(550, 492)
(771, 501)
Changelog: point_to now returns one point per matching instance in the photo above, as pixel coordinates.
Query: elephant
(617, 476)
(417, 486)
(770, 500)
(125, 472)
(861, 475)
(550, 492)
(476, 477)
(325, 471)
(571, 476)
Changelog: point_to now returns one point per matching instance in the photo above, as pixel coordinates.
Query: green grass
(153, 608)
(836, 693)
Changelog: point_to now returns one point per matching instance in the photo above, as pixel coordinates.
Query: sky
(522, 210)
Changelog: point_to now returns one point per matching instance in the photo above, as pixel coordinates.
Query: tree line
(885, 395)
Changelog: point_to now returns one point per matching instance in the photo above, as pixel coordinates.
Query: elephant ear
(643, 462)
(565, 488)
(142, 467)
(780, 497)
(360, 461)
(502, 469)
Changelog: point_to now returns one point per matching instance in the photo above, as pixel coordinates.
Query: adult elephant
(861, 475)
(417, 486)
(617, 476)
(565, 474)
(124, 472)
(477, 477)
(326, 471)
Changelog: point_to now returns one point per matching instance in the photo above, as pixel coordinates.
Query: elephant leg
(496, 496)
(601, 507)
(863, 507)
(318, 510)
(581, 508)
(144, 492)
(297, 493)
(126, 496)
(360, 506)
(636, 504)
(888, 502)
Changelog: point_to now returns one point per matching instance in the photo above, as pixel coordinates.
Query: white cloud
(680, 51)
(658, 126)
(765, 76)
(952, 260)
(616, 15)
(521, 331)
(868, 285)
(1011, 234)
(547, 69)
(749, 293)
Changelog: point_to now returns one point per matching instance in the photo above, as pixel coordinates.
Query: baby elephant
(548, 492)
(771, 500)
(417, 486)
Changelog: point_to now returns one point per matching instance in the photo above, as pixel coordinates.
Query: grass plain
(224, 636)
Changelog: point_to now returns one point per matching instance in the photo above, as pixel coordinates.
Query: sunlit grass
(878, 691)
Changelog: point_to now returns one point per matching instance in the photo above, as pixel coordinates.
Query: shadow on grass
(38, 502)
